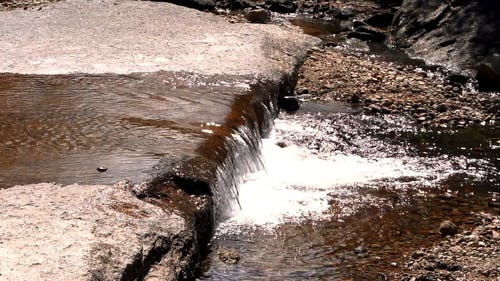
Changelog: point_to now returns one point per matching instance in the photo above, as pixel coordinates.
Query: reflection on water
(61, 128)
(349, 195)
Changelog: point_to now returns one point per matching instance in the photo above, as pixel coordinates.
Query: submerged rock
(367, 33)
(447, 228)
(289, 103)
(229, 256)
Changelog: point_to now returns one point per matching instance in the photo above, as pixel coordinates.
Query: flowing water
(62, 128)
(344, 196)
(334, 194)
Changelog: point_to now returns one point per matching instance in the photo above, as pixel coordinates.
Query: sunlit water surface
(344, 195)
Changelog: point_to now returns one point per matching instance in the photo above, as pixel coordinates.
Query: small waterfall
(243, 158)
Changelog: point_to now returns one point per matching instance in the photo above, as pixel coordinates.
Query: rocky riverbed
(382, 87)
(432, 97)
(473, 254)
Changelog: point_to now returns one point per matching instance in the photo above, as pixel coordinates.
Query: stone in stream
(356, 97)
(367, 33)
(447, 227)
(258, 16)
(102, 169)
(230, 257)
(289, 103)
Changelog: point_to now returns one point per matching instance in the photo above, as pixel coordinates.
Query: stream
(344, 195)
(332, 194)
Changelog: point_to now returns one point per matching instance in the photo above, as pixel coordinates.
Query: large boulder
(459, 33)
(51, 232)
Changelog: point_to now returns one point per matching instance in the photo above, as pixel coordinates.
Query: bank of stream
(352, 193)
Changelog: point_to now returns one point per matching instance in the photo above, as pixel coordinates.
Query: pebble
(230, 257)
(102, 169)
(447, 227)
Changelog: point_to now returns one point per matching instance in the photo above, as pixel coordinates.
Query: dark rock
(458, 78)
(282, 144)
(302, 91)
(450, 266)
(102, 169)
(488, 74)
(281, 6)
(356, 98)
(196, 4)
(447, 228)
(357, 23)
(494, 204)
(382, 276)
(360, 249)
(343, 14)
(367, 33)
(442, 107)
(418, 254)
(456, 3)
(258, 16)
(460, 34)
(289, 103)
(389, 3)
(381, 20)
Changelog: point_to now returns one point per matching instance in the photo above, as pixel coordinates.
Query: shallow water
(345, 196)
(61, 128)
(349, 195)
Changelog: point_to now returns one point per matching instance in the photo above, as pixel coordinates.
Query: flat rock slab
(139, 36)
(49, 232)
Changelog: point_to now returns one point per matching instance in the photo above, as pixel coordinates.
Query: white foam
(295, 183)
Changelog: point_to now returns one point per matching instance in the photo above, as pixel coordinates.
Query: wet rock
(356, 97)
(445, 265)
(447, 227)
(289, 103)
(488, 74)
(381, 20)
(367, 33)
(343, 13)
(102, 169)
(281, 6)
(282, 144)
(418, 254)
(373, 108)
(230, 257)
(258, 16)
(494, 204)
(302, 91)
(458, 78)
